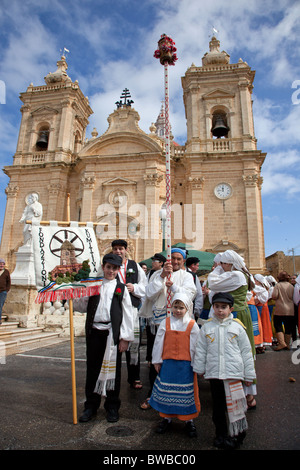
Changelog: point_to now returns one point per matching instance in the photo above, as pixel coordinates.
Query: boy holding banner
(109, 329)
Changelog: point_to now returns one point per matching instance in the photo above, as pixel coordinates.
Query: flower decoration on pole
(166, 53)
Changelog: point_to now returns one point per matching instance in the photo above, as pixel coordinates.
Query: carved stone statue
(33, 212)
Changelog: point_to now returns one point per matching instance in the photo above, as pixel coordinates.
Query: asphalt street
(36, 409)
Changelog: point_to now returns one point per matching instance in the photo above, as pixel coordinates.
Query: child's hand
(157, 367)
(123, 345)
(247, 383)
(130, 287)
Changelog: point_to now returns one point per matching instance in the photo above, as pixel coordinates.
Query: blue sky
(111, 44)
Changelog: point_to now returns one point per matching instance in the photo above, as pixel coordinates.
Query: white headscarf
(183, 298)
(271, 280)
(217, 258)
(231, 257)
(260, 278)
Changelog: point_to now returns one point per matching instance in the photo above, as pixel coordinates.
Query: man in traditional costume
(109, 329)
(133, 276)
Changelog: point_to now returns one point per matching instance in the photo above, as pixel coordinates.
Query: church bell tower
(222, 160)
(52, 132)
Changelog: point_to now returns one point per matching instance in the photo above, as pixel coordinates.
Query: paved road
(36, 408)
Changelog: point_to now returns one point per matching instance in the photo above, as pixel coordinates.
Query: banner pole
(166, 53)
(72, 347)
(168, 181)
(74, 398)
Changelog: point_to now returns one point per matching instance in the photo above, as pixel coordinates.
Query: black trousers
(219, 415)
(150, 344)
(287, 320)
(133, 370)
(95, 349)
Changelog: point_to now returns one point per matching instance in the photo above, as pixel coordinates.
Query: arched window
(43, 138)
(77, 142)
(220, 126)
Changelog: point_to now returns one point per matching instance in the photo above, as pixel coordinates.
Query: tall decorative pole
(166, 53)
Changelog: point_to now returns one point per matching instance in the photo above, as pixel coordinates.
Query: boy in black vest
(109, 329)
(133, 276)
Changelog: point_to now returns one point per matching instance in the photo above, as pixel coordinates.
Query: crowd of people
(212, 329)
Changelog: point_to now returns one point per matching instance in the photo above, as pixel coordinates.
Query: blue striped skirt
(173, 389)
(254, 318)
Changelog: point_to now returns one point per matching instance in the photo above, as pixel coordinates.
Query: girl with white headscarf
(175, 392)
(261, 297)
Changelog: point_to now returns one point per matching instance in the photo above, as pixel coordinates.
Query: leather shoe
(191, 429)
(224, 442)
(163, 426)
(87, 415)
(112, 415)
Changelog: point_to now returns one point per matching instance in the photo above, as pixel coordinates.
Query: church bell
(220, 129)
(43, 140)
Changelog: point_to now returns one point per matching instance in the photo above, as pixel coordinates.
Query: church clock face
(223, 191)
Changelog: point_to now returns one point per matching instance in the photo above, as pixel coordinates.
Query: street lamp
(163, 217)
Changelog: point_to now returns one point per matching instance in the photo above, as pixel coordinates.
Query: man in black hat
(133, 276)
(158, 261)
(192, 266)
(109, 329)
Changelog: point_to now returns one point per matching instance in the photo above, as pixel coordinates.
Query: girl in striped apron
(175, 392)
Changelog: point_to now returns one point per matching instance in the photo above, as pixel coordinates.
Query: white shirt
(182, 282)
(178, 324)
(261, 294)
(296, 296)
(140, 286)
(225, 281)
(103, 310)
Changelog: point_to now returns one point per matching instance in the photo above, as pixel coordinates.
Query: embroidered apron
(175, 391)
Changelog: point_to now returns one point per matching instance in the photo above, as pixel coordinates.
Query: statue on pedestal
(33, 212)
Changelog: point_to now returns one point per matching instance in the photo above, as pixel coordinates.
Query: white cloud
(281, 173)
(276, 124)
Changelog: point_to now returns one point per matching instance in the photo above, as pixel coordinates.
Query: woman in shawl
(261, 297)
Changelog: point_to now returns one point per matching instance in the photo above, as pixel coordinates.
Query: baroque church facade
(117, 179)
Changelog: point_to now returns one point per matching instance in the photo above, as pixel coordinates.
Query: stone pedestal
(24, 274)
(20, 303)
(56, 317)
(20, 306)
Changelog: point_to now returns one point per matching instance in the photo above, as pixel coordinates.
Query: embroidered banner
(67, 261)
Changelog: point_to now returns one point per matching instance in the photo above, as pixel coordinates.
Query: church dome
(60, 75)
(214, 56)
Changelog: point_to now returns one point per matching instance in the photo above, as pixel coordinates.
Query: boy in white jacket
(224, 357)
